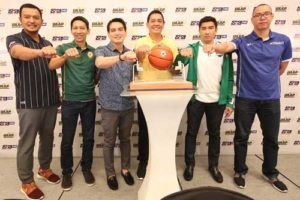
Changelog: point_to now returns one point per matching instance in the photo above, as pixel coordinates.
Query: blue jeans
(268, 112)
(214, 114)
(70, 112)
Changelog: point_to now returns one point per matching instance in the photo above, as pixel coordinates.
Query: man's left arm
(282, 67)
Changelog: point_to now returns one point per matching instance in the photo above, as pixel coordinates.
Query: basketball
(161, 57)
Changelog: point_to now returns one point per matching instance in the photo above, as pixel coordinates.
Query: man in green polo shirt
(76, 60)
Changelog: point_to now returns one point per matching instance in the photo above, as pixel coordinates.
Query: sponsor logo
(239, 22)
(195, 23)
(180, 37)
(198, 143)
(285, 120)
(161, 9)
(286, 131)
(298, 9)
(298, 120)
(8, 135)
(138, 23)
(199, 9)
(196, 37)
(135, 133)
(289, 108)
(230, 132)
(98, 122)
(44, 24)
(7, 123)
(139, 10)
(292, 72)
(253, 131)
(221, 23)
(297, 142)
(100, 37)
(289, 95)
(177, 23)
(221, 37)
(101, 134)
(58, 24)
(237, 36)
(16, 25)
(240, 9)
(298, 131)
(5, 112)
(60, 38)
(220, 9)
(296, 22)
(2, 24)
(281, 9)
(6, 98)
(3, 63)
(227, 143)
(100, 10)
(280, 22)
(295, 60)
(136, 37)
(99, 146)
(228, 120)
(294, 83)
(180, 9)
(78, 11)
(4, 75)
(58, 10)
(9, 146)
(250, 143)
(13, 11)
(118, 10)
(179, 133)
(283, 142)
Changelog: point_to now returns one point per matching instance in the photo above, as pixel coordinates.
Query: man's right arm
(220, 48)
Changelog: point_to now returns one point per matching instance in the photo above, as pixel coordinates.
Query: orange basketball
(161, 57)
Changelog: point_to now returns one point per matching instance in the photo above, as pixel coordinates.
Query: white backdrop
(181, 25)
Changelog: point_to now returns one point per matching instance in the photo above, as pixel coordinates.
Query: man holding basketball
(263, 56)
(155, 25)
(213, 76)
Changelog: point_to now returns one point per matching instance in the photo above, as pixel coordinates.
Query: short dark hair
(155, 12)
(120, 20)
(262, 4)
(29, 5)
(80, 18)
(208, 19)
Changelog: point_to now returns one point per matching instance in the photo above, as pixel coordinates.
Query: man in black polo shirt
(37, 98)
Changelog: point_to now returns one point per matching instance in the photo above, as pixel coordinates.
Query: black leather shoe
(128, 178)
(188, 173)
(66, 183)
(216, 174)
(112, 183)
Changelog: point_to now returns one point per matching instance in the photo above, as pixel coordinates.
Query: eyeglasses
(265, 14)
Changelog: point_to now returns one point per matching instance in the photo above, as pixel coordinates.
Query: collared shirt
(36, 85)
(149, 72)
(209, 72)
(258, 65)
(78, 73)
(113, 80)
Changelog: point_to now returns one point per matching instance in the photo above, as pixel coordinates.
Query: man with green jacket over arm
(212, 74)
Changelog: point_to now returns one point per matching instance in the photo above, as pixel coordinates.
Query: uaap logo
(78, 11)
(281, 9)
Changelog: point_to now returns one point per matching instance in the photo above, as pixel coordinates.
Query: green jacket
(226, 89)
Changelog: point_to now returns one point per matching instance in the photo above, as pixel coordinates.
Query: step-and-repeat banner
(182, 17)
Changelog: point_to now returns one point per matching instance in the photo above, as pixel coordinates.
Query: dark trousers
(214, 114)
(143, 140)
(116, 123)
(70, 112)
(268, 112)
